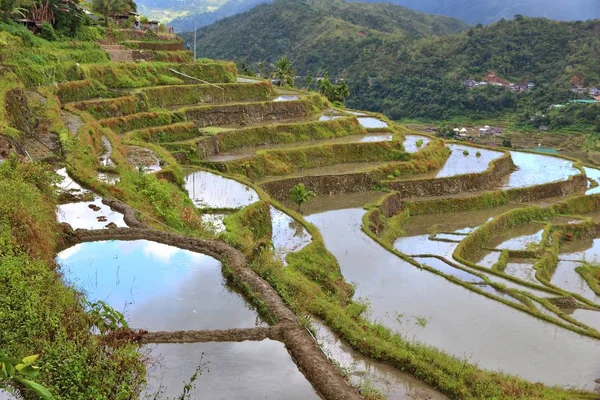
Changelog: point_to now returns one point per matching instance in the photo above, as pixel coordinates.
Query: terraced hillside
(421, 269)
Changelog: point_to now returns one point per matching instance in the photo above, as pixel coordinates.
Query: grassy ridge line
(178, 95)
(386, 240)
(111, 108)
(142, 121)
(546, 265)
(195, 152)
(283, 162)
(455, 377)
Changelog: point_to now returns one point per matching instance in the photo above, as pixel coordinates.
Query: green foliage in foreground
(38, 313)
(13, 370)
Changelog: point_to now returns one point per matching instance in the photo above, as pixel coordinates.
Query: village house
(495, 80)
(489, 131)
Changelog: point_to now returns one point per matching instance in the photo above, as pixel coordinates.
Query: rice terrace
(168, 220)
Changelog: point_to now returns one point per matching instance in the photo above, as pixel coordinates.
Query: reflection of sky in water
(372, 123)
(81, 216)
(159, 287)
(236, 371)
(460, 164)
(593, 174)
(536, 169)
(393, 286)
(289, 235)
(213, 191)
(286, 98)
(397, 385)
(410, 143)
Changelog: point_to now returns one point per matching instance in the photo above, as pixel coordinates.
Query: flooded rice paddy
(372, 123)
(289, 236)
(232, 371)
(246, 152)
(461, 163)
(410, 143)
(208, 190)
(85, 214)
(157, 287)
(390, 381)
(536, 169)
(395, 288)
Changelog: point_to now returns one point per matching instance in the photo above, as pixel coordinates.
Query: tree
(111, 7)
(299, 194)
(336, 93)
(11, 8)
(309, 82)
(284, 72)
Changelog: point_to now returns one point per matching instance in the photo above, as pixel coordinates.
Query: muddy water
(390, 381)
(566, 276)
(518, 238)
(105, 160)
(209, 190)
(410, 143)
(245, 152)
(448, 269)
(416, 245)
(233, 371)
(372, 123)
(486, 258)
(331, 202)
(143, 158)
(288, 235)
(522, 269)
(460, 322)
(588, 317)
(536, 169)
(158, 287)
(80, 215)
(337, 169)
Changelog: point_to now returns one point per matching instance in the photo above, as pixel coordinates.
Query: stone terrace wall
(246, 114)
(455, 184)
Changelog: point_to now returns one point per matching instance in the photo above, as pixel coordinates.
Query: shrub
(48, 32)
(465, 152)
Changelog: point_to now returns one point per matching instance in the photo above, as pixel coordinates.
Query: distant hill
(313, 32)
(410, 64)
(182, 14)
(229, 8)
(488, 11)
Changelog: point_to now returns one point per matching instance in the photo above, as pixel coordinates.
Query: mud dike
(305, 352)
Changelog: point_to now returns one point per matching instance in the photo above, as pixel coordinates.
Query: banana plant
(14, 371)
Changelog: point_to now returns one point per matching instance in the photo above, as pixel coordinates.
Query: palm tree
(299, 194)
(284, 72)
(110, 7)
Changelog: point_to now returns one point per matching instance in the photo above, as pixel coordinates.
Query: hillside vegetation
(485, 12)
(408, 64)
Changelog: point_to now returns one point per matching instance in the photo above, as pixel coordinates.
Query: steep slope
(232, 7)
(296, 27)
(488, 11)
(400, 62)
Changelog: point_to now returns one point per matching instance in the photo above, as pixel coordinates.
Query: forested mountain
(488, 11)
(231, 7)
(408, 64)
